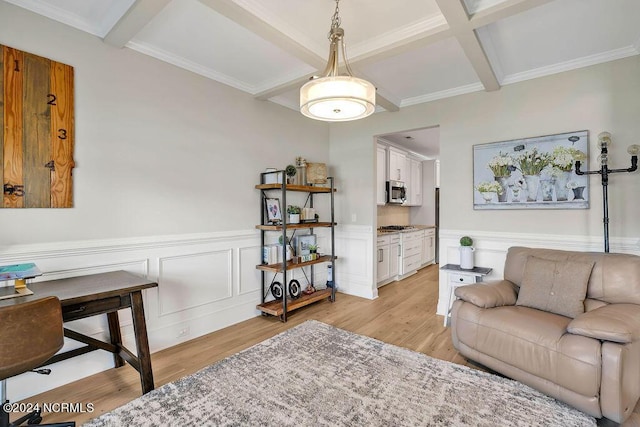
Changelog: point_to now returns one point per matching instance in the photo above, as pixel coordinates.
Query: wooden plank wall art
(37, 137)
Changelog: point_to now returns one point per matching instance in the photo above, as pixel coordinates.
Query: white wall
(159, 150)
(598, 98)
(166, 164)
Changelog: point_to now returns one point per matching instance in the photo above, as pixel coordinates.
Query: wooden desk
(95, 294)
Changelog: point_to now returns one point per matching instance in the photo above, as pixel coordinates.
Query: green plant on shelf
(292, 209)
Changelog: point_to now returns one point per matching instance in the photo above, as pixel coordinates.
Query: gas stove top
(389, 228)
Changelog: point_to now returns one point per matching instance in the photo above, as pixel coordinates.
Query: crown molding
(178, 61)
(461, 90)
(400, 34)
(574, 64)
(48, 10)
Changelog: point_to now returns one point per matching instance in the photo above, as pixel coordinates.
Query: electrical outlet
(353, 217)
(183, 332)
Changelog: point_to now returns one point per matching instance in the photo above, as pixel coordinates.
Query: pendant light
(333, 97)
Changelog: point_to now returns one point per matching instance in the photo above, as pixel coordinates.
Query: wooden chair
(31, 333)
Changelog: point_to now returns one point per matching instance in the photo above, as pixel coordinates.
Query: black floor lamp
(604, 140)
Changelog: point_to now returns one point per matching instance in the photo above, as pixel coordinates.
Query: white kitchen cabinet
(411, 244)
(382, 256)
(429, 246)
(388, 258)
(381, 175)
(394, 255)
(398, 165)
(414, 184)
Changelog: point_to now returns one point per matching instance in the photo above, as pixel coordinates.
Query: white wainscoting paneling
(491, 250)
(206, 282)
(354, 266)
(189, 281)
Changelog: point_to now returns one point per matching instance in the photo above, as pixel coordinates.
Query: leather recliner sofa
(591, 361)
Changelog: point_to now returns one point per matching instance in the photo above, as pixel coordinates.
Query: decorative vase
(466, 257)
(561, 186)
(294, 218)
(533, 186)
(502, 180)
(577, 193)
(487, 196)
(547, 190)
(515, 194)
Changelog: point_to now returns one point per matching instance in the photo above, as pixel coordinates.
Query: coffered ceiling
(414, 51)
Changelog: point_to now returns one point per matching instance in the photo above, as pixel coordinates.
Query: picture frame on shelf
(303, 242)
(274, 213)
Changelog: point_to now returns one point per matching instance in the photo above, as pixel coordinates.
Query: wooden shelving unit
(275, 307)
(294, 226)
(275, 268)
(282, 306)
(293, 187)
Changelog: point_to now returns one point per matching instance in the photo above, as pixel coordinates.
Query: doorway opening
(407, 197)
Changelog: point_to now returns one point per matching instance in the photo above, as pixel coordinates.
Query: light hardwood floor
(402, 315)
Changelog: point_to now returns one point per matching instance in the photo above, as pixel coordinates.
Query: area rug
(318, 375)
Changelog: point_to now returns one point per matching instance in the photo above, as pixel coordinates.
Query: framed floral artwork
(274, 214)
(531, 173)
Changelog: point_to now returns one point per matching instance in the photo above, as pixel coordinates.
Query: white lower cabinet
(429, 246)
(401, 254)
(382, 256)
(394, 255)
(387, 256)
(411, 244)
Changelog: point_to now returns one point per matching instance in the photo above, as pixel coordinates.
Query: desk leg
(115, 336)
(142, 341)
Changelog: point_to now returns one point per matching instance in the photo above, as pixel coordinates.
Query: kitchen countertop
(415, 228)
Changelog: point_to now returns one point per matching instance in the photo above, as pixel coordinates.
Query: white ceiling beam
(254, 24)
(138, 15)
(503, 10)
(456, 15)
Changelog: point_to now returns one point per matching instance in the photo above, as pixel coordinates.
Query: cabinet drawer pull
(78, 310)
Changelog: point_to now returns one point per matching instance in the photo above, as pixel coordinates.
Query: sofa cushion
(614, 322)
(492, 294)
(555, 286)
(615, 277)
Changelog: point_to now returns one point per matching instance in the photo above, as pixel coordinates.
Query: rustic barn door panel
(36, 114)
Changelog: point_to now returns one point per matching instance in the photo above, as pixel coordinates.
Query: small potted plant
(294, 214)
(290, 171)
(466, 253)
(313, 250)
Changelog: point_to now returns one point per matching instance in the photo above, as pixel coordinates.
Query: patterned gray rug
(318, 375)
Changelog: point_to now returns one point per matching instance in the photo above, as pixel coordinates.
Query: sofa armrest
(492, 294)
(613, 322)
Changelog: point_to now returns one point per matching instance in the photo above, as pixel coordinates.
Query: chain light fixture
(333, 97)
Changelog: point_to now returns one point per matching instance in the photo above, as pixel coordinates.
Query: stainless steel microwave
(396, 192)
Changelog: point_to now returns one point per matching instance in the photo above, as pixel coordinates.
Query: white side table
(461, 277)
